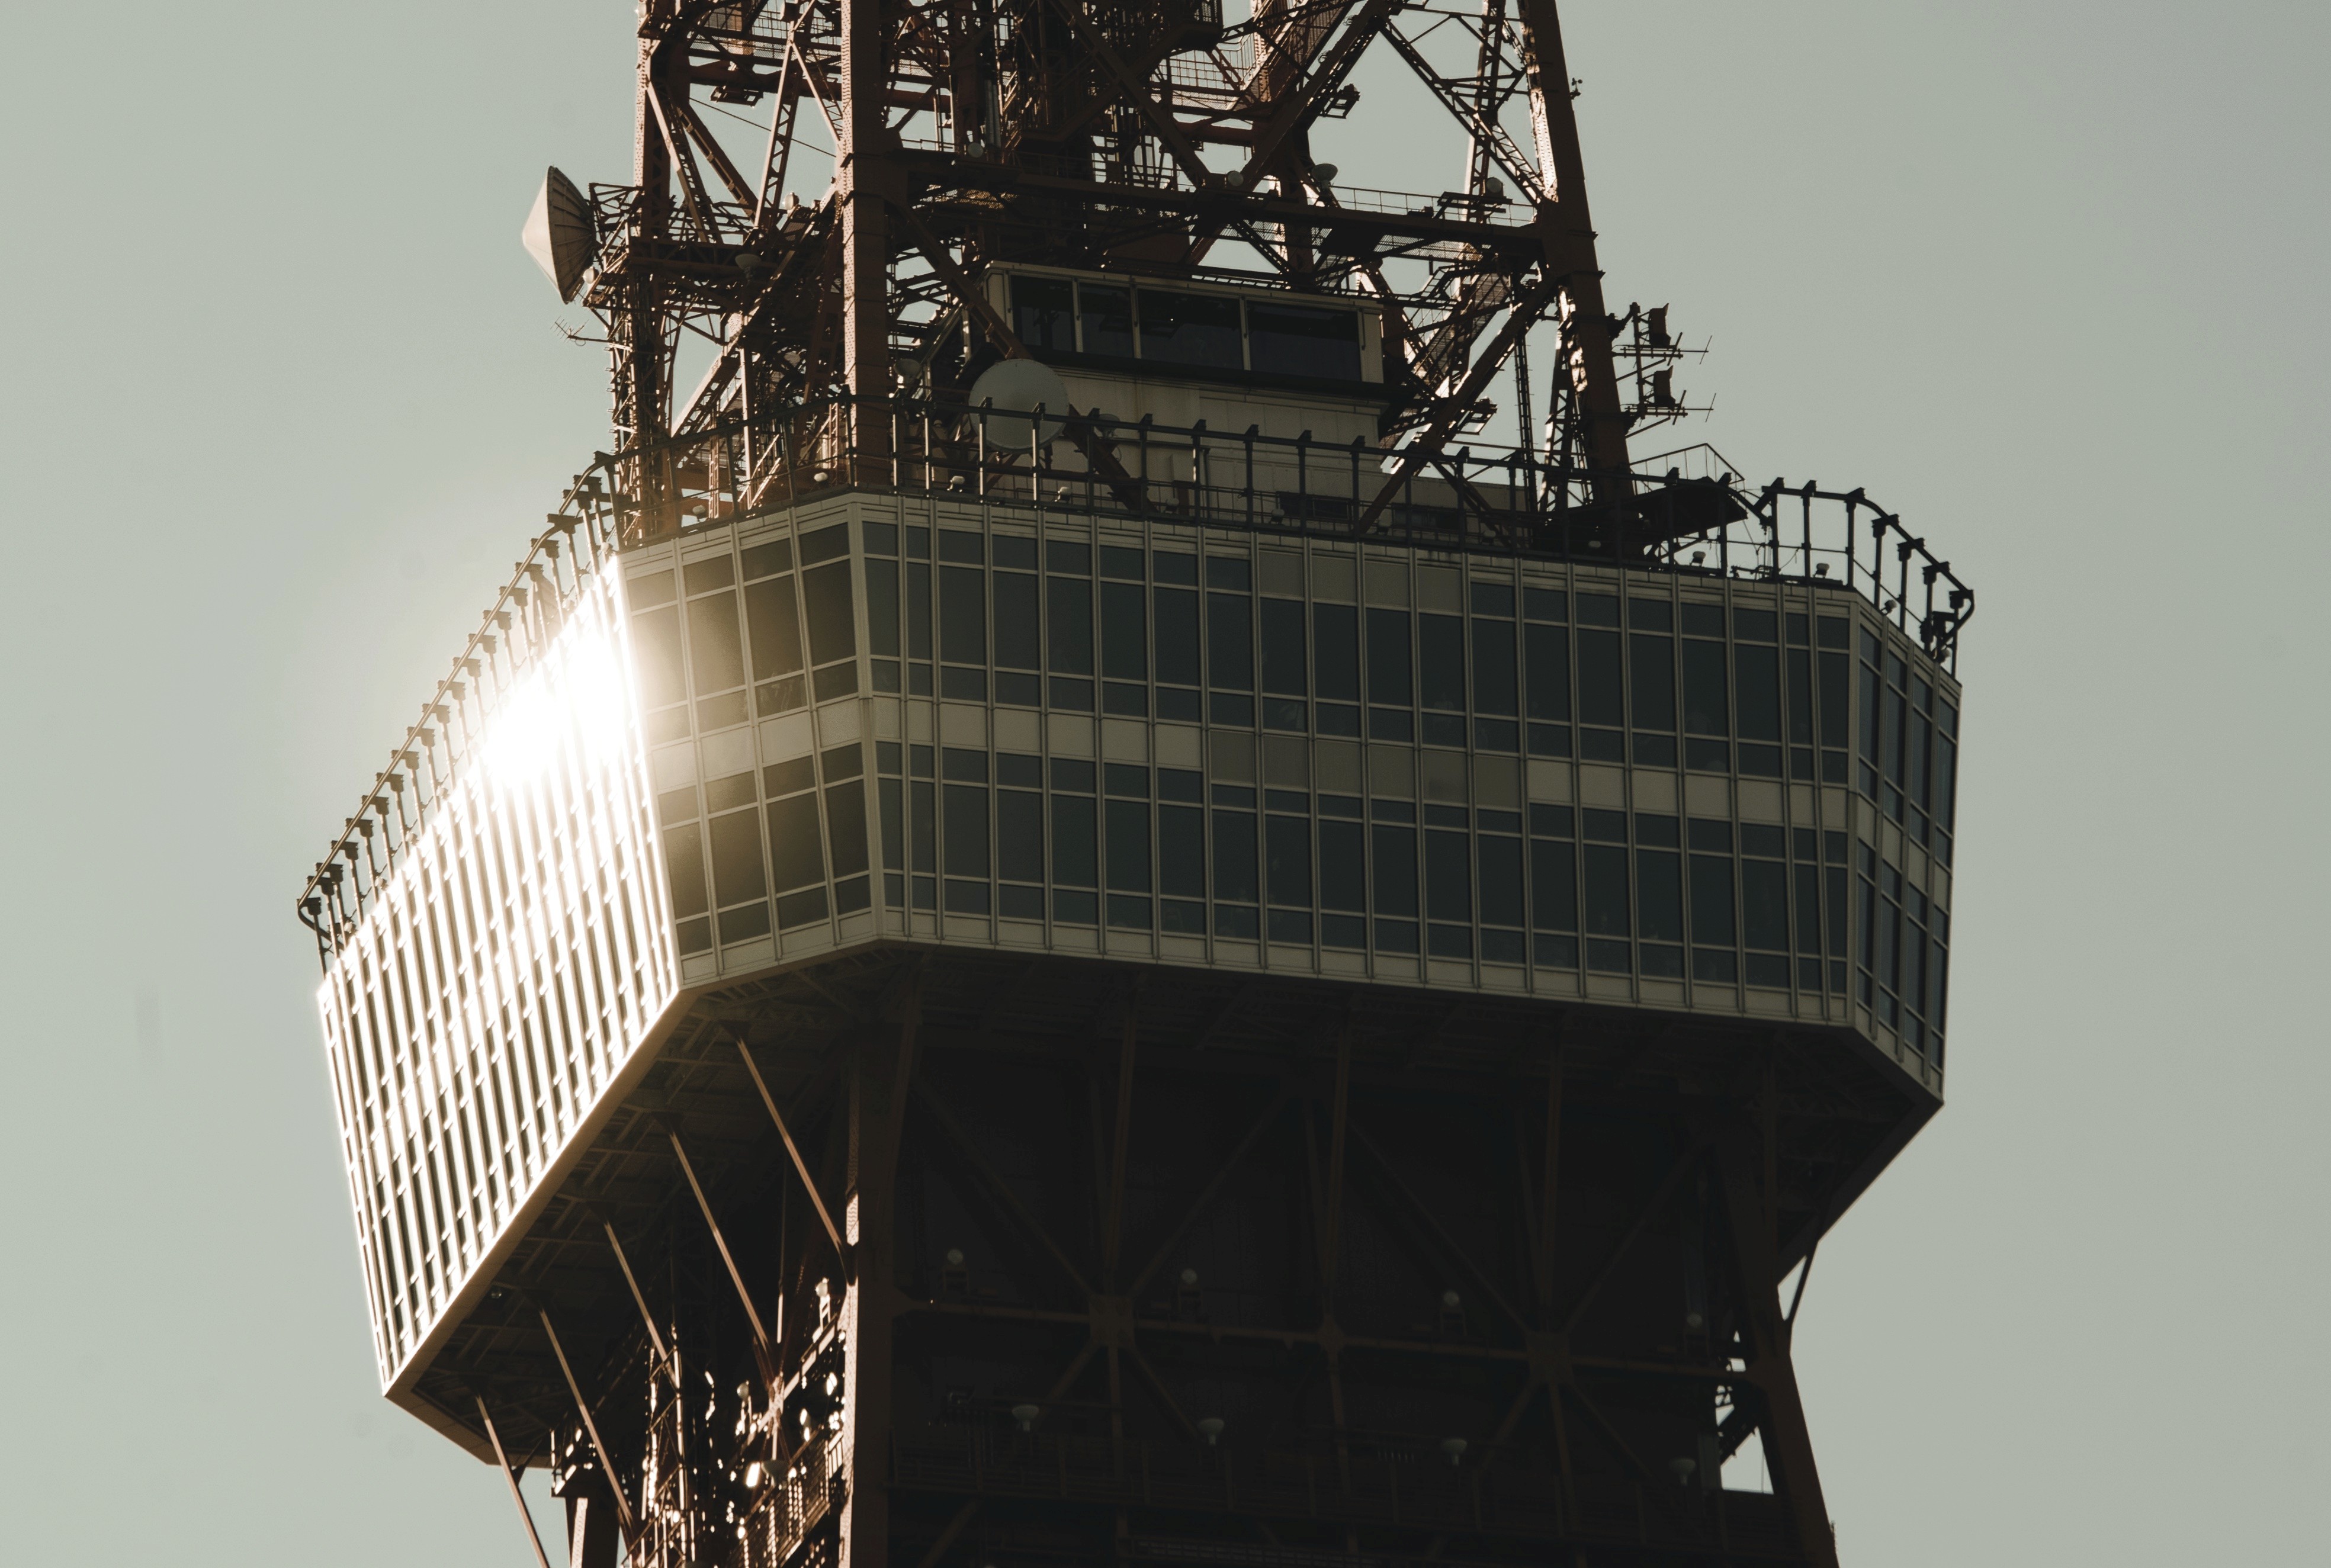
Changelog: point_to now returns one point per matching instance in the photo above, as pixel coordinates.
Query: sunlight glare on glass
(567, 711)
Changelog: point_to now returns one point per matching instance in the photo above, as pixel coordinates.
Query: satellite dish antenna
(558, 235)
(1019, 386)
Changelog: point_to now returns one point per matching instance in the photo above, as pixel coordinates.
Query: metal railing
(1686, 514)
(1687, 511)
(582, 537)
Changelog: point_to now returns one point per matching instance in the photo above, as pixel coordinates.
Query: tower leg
(1788, 1443)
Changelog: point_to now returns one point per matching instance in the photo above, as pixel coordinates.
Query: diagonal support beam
(1491, 359)
(745, 1297)
(1001, 1188)
(627, 1521)
(501, 1458)
(1658, 1199)
(1479, 1276)
(1788, 1443)
(1205, 1199)
(800, 1166)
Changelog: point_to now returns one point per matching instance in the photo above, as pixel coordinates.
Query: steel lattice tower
(1061, 918)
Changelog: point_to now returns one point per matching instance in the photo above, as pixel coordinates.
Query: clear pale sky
(281, 401)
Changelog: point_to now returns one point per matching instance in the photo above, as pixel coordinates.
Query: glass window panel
(1754, 625)
(1336, 642)
(795, 850)
(1448, 876)
(1704, 705)
(1800, 696)
(715, 650)
(1043, 314)
(1288, 850)
(1343, 867)
(881, 607)
(1606, 890)
(832, 616)
(1600, 684)
(1494, 688)
(1128, 846)
(1020, 837)
(1545, 604)
(1658, 887)
(1758, 689)
(655, 639)
(1388, 660)
(1124, 631)
(919, 612)
(1282, 647)
(827, 544)
(1653, 660)
(965, 839)
(1548, 650)
(1176, 610)
(963, 615)
(1074, 863)
(1108, 320)
(683, 856)
(1711, 899)
(1500, 864)
(1554, 886)
(1069, 620)
(1180, 851)
(1440, 662)
(1395, 868)
(1234, 857)
(1229, 641)
(1322, 344)
(1196, 329)
(845, 827)
(1017, 630)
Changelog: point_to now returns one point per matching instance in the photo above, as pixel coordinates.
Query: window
(1193, 330)
(1319, 343)
(1043, 313)
(1106, 315)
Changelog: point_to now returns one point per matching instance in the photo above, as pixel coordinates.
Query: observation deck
(1025, 732)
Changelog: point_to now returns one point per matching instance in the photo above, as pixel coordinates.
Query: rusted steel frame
(1525, 314)
(1212, 1189)
(691, 179)
(715, 154)
(1797, 1298)
(941, 171)
(1553, 123)
(1788, 1443)
(1113, 1228)
(1136, 93)
(729, 1259)
(800, 1166)
(968, 294)
(625, 1518)
(501, 1459)
(1296, 110)
(1441, 1238)
(1485, 132)
(1002, 1189)
(1658, 1201)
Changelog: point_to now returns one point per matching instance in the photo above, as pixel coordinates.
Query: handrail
(1478, 499)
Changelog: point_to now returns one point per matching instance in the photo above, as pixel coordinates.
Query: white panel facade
(502, 976)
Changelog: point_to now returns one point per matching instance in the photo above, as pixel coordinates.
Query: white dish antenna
(1019, 386)
(558, 235)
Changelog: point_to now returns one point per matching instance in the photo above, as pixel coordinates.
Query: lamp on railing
(1210, 1428)
(1454, 1447)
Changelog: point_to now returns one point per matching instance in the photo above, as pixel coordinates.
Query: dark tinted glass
(1200, 329)
(1304, 340)
(1043, 313)
(1335, 639)
(1108, 320)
